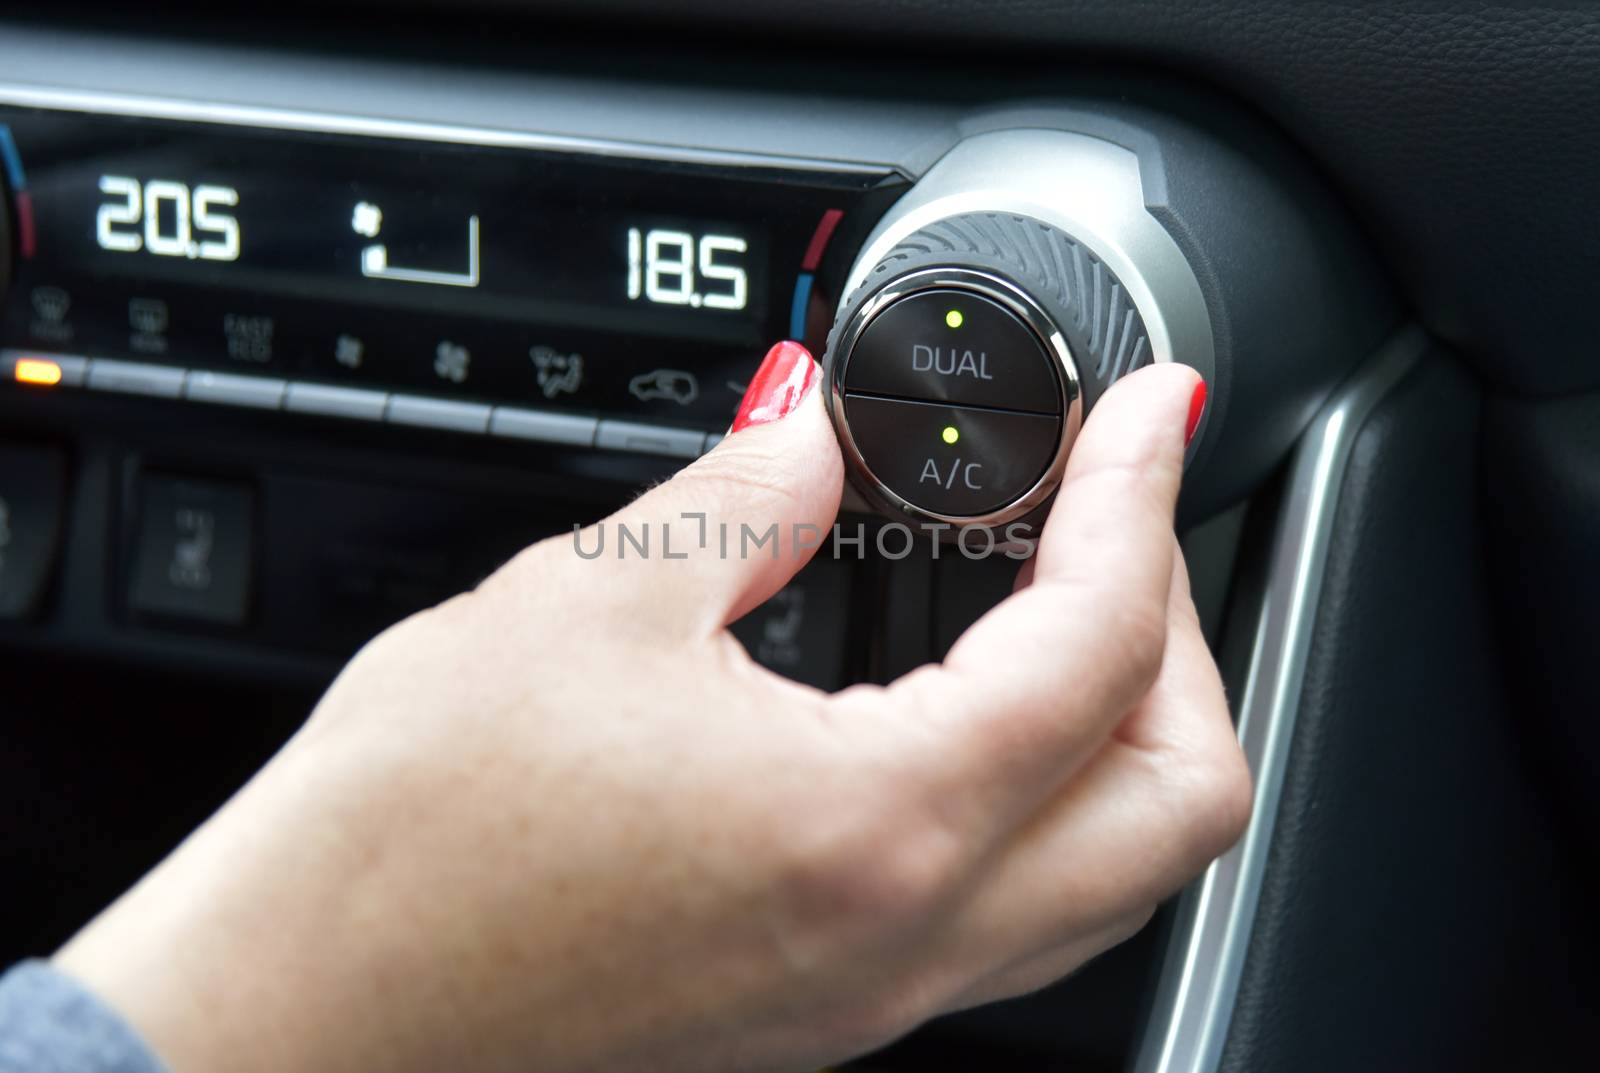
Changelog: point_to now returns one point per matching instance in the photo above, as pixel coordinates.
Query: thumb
(731, 529)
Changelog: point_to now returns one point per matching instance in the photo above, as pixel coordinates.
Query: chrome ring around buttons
(1015, 300)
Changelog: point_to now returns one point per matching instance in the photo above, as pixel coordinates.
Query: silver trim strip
(135, 378)
(510, 422)
(229, 389)
(326, 400)
(1199, 982)
(59, 98)
(450, 415)
(649, 439)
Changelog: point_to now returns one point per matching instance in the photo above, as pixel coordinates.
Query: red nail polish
(779, 386)
(1197, 408)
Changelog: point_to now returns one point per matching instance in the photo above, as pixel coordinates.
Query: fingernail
(778, 388)
(1197, 408)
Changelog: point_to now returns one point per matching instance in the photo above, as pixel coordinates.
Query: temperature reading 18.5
(167, 218)
(677, 268)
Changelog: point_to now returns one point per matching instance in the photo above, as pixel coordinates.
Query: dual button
(953, 403)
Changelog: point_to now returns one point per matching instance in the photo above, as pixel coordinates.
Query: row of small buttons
(419, 411)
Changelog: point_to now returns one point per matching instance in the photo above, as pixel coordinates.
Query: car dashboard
(309, 325)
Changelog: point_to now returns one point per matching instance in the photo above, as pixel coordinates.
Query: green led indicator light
(954, 319)
(950, 434)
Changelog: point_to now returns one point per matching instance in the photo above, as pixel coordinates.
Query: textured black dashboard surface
(1542, 480)
(1464, 133)
(1418, 910)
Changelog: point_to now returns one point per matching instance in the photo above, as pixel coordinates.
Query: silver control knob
(988, 312)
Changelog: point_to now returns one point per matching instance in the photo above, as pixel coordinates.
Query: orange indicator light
(38, 371)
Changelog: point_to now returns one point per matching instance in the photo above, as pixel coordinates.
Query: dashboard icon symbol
(147, 315)
(51, 304)
(366, 219)
(557, 373)
(451, 361)
(348, 351)
(674, 384)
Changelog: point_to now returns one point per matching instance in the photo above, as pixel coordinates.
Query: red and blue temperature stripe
(808, 272)
(18, 181)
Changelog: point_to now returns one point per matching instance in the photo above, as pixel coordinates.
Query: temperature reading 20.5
(167, 218)
(677, 268)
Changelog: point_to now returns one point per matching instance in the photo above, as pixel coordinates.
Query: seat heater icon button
(192, 556)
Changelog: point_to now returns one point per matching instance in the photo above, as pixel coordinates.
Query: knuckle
(1218, 802)
(863, 878)
(871, 874)
(1126, 927)
(1142, 628)
(913, 871)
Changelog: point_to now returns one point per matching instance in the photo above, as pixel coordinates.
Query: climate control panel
(566, 291)
(575, 267)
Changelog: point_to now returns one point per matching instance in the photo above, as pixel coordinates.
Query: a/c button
(952, 460)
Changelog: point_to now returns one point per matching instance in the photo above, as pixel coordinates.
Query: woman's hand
(563, 822)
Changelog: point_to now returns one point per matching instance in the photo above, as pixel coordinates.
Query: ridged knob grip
(965, 361)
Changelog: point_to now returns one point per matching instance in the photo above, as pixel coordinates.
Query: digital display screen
(524, 276)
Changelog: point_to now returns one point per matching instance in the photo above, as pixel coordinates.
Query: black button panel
(952, 460)
(803, 631)
(33, 484)
(951, 345)
(193, 558)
